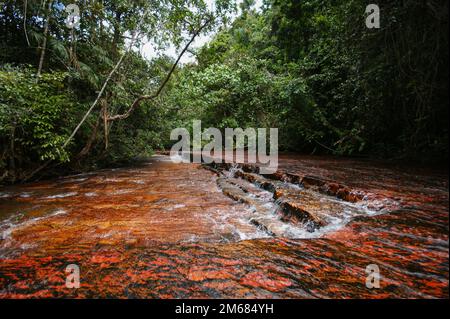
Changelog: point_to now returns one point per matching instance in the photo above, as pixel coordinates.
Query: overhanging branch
(141, 98)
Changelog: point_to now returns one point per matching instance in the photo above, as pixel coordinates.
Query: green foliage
(310, 68)
(38, 115)
(33, 116)
(383, 92)
(330, 84)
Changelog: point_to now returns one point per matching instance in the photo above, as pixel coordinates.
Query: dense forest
(84, 97)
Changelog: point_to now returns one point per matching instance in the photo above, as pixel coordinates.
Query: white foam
(7, 226)
(25, 195)
(121, 191)
(91, 194)
(63, 195)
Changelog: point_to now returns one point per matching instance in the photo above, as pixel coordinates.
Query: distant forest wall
(313, 69)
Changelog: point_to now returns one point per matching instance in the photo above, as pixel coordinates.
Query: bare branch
(25, 21)
(141, 98)
(135, 103)
(44, 45)
(105, 84)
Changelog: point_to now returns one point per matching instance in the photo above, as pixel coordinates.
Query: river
(165, 230)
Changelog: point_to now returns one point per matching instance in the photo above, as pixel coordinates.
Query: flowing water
(165, 230)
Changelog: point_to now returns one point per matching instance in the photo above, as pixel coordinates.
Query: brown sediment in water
(165, 230)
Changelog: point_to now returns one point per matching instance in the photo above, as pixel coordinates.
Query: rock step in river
(282, 208)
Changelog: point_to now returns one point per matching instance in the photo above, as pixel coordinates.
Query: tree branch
(135, 103)
(25, 21)
(105, 84)
(141, 98)
(44, 45)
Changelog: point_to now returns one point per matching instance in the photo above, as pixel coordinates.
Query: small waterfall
(283, 209)
(231, 173)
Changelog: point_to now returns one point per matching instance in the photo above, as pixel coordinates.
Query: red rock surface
(167, 231)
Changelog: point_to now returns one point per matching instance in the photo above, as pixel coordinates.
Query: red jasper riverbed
(164, 230)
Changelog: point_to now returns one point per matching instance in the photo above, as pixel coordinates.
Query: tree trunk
(91, 140)
(12, 160)
(25, 4)
(44, 44)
